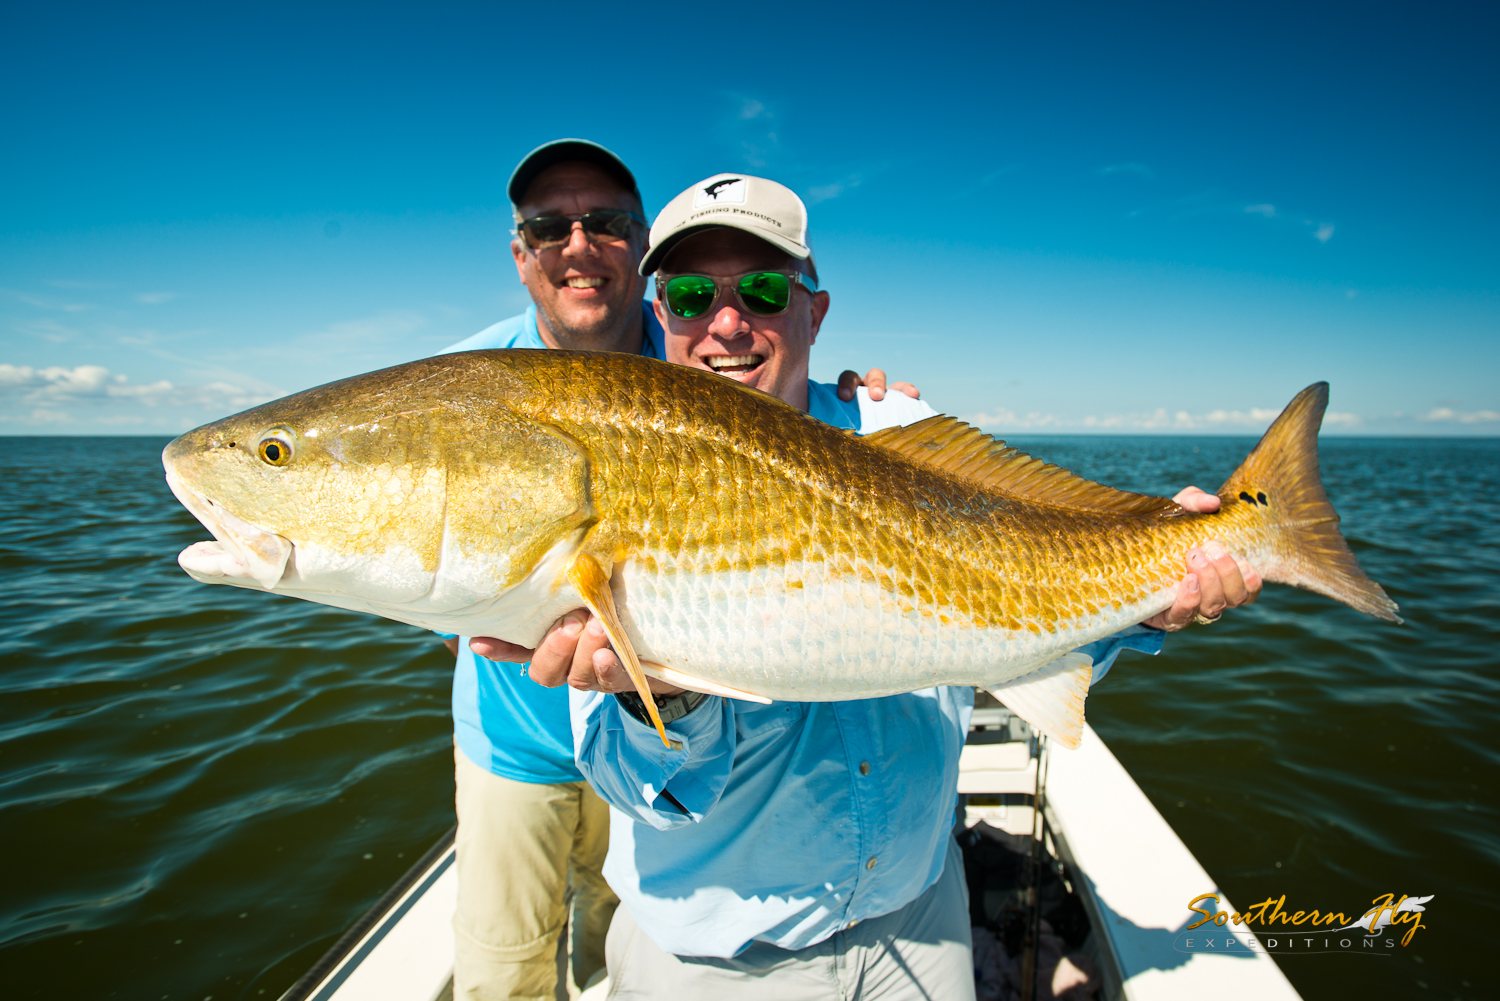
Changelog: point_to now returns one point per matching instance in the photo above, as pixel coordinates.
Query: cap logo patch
(729, 189)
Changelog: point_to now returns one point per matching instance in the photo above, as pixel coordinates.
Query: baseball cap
(760, 207)
(562, 151)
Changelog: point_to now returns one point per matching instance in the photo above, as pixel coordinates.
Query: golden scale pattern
(708, 484)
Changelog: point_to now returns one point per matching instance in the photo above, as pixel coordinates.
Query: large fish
(730, 543)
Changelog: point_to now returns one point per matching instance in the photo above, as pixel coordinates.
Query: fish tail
(1280, 480)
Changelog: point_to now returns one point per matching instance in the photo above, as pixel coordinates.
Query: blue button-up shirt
(802, 817)
(502, 720)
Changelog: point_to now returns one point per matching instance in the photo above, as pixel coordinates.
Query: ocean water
(201, 787)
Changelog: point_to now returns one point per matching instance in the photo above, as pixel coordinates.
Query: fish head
(386, 490)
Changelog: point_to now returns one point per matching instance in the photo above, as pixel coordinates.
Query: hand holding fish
(575, 651)
(1216, 579)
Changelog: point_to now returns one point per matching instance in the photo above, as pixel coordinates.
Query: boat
(1091, 890)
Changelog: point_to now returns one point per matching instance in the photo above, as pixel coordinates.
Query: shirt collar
(823, 403)
(652, 341)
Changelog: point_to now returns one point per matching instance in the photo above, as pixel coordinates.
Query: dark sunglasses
(764, 293)
(600, 226)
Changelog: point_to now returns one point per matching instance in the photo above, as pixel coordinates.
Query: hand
(574, 650)
(1215, 579)
(874, 381)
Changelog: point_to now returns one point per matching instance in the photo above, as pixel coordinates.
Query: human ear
(518, 251)
(820, 304)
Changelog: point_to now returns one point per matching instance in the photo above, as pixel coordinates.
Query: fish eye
(275, 447)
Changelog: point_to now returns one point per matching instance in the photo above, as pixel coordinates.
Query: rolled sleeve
(626, 763)
(1106, 651)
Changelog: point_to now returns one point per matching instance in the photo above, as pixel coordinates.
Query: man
(529, 827)
(800, 848)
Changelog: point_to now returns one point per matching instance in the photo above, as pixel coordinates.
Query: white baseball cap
(760, 207)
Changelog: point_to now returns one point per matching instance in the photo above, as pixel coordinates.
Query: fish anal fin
(588, 576)
(672, 676)
(1051, 697)
(953, 447)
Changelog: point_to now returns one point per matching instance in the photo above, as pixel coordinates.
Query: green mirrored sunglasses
(764, 293)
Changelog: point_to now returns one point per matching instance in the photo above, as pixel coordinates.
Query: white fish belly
(795, 633)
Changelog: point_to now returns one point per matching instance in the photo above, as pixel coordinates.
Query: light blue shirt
(502, 720)
(802, 817)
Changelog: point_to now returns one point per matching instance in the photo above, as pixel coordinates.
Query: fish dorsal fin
(950, 445)
(1051, 697)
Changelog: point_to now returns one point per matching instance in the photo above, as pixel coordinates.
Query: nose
(578, 242)
(728, 323)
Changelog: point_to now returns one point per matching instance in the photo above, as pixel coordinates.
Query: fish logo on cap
(729, 189)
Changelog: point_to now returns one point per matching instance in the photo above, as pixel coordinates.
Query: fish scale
(721, 534)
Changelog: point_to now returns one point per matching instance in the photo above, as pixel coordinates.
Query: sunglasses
(764, 293)
(600, 226)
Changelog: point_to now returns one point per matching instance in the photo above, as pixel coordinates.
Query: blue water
(201, 787)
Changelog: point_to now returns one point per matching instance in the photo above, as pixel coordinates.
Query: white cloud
(155, 298)
(1264, 209)
(1324, 233)
(1451, 416)
(1161, 419)
(826, 192)
(46, 302)
(96, 384)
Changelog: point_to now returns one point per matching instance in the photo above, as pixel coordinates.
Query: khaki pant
(918, 953)
(522, 847)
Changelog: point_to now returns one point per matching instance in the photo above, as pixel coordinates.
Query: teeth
(733, 361)
(583, 282)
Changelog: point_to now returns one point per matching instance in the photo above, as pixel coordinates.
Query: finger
(1211, 602)
(1197, 501)
(1253, 580)
(848, 383)
(492, 649)
(1184, 607)
(591, 641)
(907, 388)
(875, 383)
(554, 654)
(1229, 574)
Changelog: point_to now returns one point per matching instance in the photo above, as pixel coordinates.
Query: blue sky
(1084, 218)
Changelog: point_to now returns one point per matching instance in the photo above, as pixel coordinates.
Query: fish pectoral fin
(672, 676)
(1051, 697)
(585, 573)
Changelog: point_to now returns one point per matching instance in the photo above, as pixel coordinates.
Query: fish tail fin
(1280, 478)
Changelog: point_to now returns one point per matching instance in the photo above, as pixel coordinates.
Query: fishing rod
(1034, 874)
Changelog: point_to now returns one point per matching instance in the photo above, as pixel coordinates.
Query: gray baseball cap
(561, 151)
(760, 207)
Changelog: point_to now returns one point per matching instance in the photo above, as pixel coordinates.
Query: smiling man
(872, 902)
(531, 833)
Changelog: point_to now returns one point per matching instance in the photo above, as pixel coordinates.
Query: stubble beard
(608, 329)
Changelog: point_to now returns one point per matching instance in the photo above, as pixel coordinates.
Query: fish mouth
(242, 551)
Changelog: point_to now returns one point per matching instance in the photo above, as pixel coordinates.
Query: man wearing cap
(530, 829)
(803, 848)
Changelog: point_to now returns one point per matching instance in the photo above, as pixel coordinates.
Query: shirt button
(864, 768)
(871, 864)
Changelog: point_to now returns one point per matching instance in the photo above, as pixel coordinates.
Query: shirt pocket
(753, 721)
